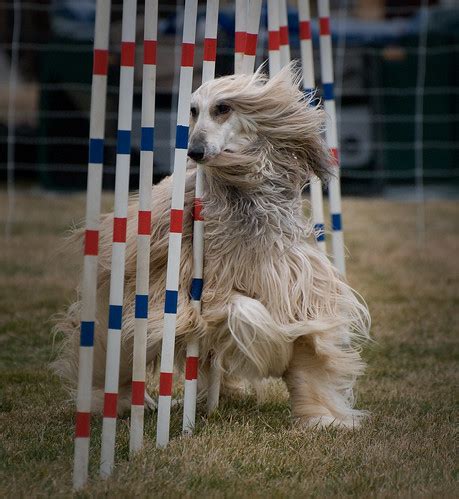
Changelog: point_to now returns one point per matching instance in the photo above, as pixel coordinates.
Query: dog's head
(216, 122)
(237, 120)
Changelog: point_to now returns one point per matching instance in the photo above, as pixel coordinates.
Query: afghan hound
(272, 305)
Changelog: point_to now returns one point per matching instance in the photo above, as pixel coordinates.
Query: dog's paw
(151, 404)
(321, 422)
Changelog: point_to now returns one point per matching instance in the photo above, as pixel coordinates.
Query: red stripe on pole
(251, 44)
(127, 54)
(82, 424)
(283, 32)
(144, 223)
(110, 402)
(239, 41)
(273, 40)
(176, 221)
(210, 49)
(91, 242)
(187, 54)
(100, 64)
(191, 368)
(119, 230)
(138, 392)
(197, 208)
(305, 30)
(165, 384)
(149, 52)
(324, 25)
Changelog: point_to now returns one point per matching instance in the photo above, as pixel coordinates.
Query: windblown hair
(273, 305)
(286, 124)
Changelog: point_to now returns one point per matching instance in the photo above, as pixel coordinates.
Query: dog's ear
(320, 162)
(297, 123)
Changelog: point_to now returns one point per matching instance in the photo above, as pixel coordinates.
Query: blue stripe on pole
(141, 306)
(319, 232)
(170, 305)
(123, 144)
(196, 289)
(147, 142)
(329, 93)
(181, 139)
(336, 221)
(96, 150)
(115, 314)
(87, 334)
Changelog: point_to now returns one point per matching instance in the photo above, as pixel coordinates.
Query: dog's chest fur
(257, 248)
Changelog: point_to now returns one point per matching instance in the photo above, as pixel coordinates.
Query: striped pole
(91, 246)
(192, 353)
(284, 38)
(240, 33)
(307, 62)
(123, 158)
(273, 37)
(253, 26)
(334, 189)
(176, 222)
(144, 226)
(213, 389)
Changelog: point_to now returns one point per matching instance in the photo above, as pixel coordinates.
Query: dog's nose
(196, 152)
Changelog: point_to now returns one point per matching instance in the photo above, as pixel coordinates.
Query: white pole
(176, 222)
(307, 62)
(273, 38)
(91, 247)
(144, 226)
(334, 187)
(241, 9)
(123, 159)
(251, 39)
(283, 32)
(192, 353)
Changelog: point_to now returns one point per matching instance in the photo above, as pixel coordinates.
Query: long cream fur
(273, 305)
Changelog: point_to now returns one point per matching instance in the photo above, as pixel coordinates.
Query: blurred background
(396, 83)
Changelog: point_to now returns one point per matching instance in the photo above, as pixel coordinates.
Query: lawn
(406, 448)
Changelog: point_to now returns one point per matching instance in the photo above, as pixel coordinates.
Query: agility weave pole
(248, 40)
(242, 52)
(240, 27)
(283, 33)
(274, 56)
(91, 246)
(176, 223)
(123, 158)
(144, 225)
(309, 85)
(331, 134)
(192, 349)
(251, 39)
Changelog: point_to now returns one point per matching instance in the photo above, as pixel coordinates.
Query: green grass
(406, 448)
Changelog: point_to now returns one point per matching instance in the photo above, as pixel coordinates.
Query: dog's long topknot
(287, 124)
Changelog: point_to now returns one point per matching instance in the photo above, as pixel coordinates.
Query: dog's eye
(223, 109)
(194, 112)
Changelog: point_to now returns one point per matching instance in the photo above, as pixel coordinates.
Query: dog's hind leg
(319, 379)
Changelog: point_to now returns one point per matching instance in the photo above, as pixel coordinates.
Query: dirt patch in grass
(406, 448)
